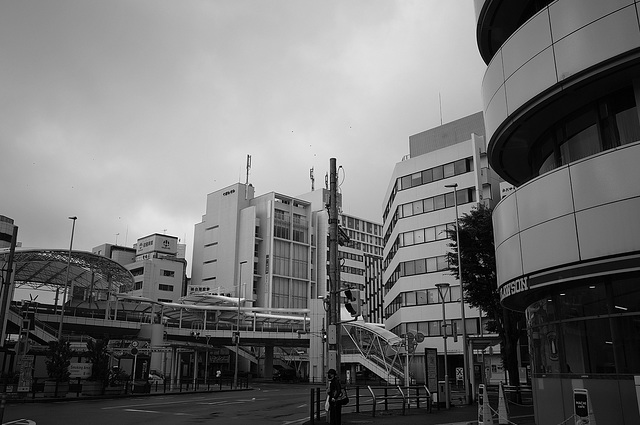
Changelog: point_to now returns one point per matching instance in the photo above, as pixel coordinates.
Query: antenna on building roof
(246, 183)
(313, 179)
(440, 101)
(326, 181)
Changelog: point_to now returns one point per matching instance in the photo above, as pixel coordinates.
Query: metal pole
(444, 287)
(465, 354)
(66, 282)
(235, 374)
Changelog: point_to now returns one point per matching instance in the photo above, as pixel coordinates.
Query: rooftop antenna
(247, 181)
(326, 181)
(313, 179)
(117, 238)
(440, 101)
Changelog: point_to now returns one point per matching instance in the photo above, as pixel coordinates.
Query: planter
(50, 389)
(92, 388)
(114, 390)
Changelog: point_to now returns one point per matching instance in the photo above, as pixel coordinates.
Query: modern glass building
(560, 106)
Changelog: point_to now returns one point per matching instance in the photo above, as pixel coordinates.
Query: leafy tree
(99, 357)
(59, 360)
(480, 284)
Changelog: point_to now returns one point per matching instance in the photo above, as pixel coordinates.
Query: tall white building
(254, 248)
(419, 209)
(360, 253)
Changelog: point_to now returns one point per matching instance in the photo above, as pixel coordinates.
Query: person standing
(334, 392)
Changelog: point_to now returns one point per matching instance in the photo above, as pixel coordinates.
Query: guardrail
(374, 396)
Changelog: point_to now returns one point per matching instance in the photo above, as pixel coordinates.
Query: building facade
(360, 253)
(560, 105)
(257, 248)
(419, 209)
(157, 264)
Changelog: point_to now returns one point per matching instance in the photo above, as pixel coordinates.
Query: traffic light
(352, 302)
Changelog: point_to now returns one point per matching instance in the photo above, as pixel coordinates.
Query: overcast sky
(127, 113)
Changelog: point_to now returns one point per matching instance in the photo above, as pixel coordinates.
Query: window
(163, 287)
(168, 273)
(606, 123)
(138, 272)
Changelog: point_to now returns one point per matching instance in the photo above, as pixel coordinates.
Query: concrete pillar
(268, 362)
(154, 333)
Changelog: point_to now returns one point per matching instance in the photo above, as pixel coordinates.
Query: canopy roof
(48, 268)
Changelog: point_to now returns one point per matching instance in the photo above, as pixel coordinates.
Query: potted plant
(99, 359)
(58, 361)
(117, 380)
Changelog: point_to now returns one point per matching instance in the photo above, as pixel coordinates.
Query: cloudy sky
(127, 113)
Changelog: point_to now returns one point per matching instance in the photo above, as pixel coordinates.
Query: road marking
(20, 422)
(190, 400)
(301, 406)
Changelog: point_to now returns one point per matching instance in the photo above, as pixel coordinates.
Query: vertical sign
(582, 407)
(26, 368)
(431, 365)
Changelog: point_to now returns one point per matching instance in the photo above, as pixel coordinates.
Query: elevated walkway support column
(155, 334)
(268, 362)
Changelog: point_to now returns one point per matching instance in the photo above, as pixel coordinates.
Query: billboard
(157, 243)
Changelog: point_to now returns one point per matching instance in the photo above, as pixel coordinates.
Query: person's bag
(327, 405)
(343, 399)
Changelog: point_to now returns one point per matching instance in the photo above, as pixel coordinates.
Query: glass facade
(592, 329)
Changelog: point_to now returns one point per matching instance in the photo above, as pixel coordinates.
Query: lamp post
(443, 288)
(235, 374)
(465, 354)
(66, 282)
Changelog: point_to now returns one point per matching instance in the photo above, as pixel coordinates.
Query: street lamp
(465, 355)
(66, 282)
(443, 288)
(235, 374)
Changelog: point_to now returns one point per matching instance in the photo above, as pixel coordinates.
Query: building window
(163, 287)
(168, 273)
(605, 124)
(137, 272)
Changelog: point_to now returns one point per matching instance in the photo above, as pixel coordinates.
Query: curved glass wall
(606, 123)
(592, 329)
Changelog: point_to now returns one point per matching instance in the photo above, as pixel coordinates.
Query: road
(281, 404)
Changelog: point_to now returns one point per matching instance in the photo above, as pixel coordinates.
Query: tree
(59, 360)
(478, 258)
(99, 357)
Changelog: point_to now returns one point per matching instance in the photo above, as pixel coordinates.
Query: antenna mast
(313, 179)
(246, 184)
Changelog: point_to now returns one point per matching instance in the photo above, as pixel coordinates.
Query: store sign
(80, 370)
(514, 287)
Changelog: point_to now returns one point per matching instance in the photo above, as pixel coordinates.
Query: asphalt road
(281, 404)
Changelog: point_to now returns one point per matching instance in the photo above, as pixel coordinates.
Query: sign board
(459, 374)
(157, 243)
(80, 370)
(582, 407)
(431, 366)
(26, 368)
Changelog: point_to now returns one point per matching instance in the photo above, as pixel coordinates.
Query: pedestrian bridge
(101, 306)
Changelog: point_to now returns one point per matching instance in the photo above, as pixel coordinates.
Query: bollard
(312, 406)
(3, 401)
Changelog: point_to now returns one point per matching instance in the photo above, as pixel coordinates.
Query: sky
(126, 114)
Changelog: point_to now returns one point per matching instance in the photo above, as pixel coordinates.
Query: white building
(561, 94)
(157, 264)
(419, 209)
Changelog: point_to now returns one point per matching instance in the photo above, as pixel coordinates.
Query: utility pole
(333, 335)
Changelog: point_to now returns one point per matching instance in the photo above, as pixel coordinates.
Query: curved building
(560, 106)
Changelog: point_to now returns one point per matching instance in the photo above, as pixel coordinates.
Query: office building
(157, 264)
(560, 106)
(359, 250)
(419, 209)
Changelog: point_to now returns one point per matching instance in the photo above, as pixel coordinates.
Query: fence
(375, 398)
